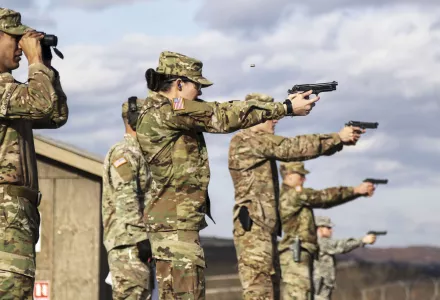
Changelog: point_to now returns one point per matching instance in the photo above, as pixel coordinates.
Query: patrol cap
(259, 97)
(10, 22)
(139, 104)
(292, 167)
(172, 63)
(321, 221)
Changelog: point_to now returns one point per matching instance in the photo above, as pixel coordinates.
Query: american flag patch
(178, 104)
(120, 162)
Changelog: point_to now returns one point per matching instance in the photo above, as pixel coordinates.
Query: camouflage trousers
(19, 224)
(258, 262)
(297, 276)
(131, 278)
(325, 293)
(180, 265)
(15, 286)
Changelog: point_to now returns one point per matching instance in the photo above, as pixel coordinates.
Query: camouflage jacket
(39, 104)
(296, 209)
(171, 138)
(252, 165)
(325, 267)
(126, 178)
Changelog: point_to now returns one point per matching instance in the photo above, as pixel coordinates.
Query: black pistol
(376, 181)
(377, 232)
(315, 87)
(363, 125)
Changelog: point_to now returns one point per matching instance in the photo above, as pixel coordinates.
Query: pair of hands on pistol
(302, 106)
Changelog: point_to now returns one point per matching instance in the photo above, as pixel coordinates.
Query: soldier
(39, 104)
(324, 274)
(125, 181)
(170, 132)
(299, 244)
(253, 154)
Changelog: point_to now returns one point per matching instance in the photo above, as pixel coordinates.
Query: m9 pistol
(377, 232)
(376, 181)
(363, 125)
(315, 87)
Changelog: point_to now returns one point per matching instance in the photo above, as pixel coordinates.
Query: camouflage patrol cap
(323, 222)
(173, 63)
(292, 167)
(10, 22)
(259, 97)
(139, 104)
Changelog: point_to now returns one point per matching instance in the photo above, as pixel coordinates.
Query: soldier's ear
(179, 84)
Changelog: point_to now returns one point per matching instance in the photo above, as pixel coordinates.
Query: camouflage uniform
(252, 165)
(170, 133)
(324, 275)
(125, 181)
(298, 220)
(39, 104)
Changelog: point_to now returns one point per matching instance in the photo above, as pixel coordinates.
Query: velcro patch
(178, 104)
(119, 162)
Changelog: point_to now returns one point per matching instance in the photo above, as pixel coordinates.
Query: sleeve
(123, 174)
(32, 101)
(302, 147)
(60, 111)
(327, 198)
(333, 247)
(215, 117)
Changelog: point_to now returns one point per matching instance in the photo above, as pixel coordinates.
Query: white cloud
(385, 60)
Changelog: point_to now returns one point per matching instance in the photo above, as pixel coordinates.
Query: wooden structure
(71, 256)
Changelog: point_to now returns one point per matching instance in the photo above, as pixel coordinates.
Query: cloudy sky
(384, 54)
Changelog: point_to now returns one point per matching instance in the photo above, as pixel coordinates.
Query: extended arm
(333, 247)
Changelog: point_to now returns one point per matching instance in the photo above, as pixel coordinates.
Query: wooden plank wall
(70, 233)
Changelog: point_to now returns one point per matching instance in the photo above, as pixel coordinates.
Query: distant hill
(364, 268)
(415, 255)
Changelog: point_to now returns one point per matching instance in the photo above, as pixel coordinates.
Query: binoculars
(50, 40)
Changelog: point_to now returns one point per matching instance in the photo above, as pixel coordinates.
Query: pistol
(376, 181)
(363, 125)
(315, 87)
(296, 247)
(377, 232)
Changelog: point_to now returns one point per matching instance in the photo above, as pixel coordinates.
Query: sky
(384, 54)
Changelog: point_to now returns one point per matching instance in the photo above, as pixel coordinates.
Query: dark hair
(158, 82)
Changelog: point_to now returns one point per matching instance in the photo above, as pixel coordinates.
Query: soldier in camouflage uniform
(170, 132)
(125, 181)
(39, 104)
(296, 207)
(324, 272)
(253, 154)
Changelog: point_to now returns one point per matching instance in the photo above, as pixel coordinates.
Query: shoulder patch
(178, 104)
(119, 162)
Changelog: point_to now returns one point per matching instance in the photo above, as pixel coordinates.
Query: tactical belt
(21, 191)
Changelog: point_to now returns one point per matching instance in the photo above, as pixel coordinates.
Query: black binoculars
(50, 40)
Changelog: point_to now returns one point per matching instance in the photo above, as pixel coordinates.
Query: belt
(21, 191)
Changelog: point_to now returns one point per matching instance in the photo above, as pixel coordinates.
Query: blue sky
(384, 54)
